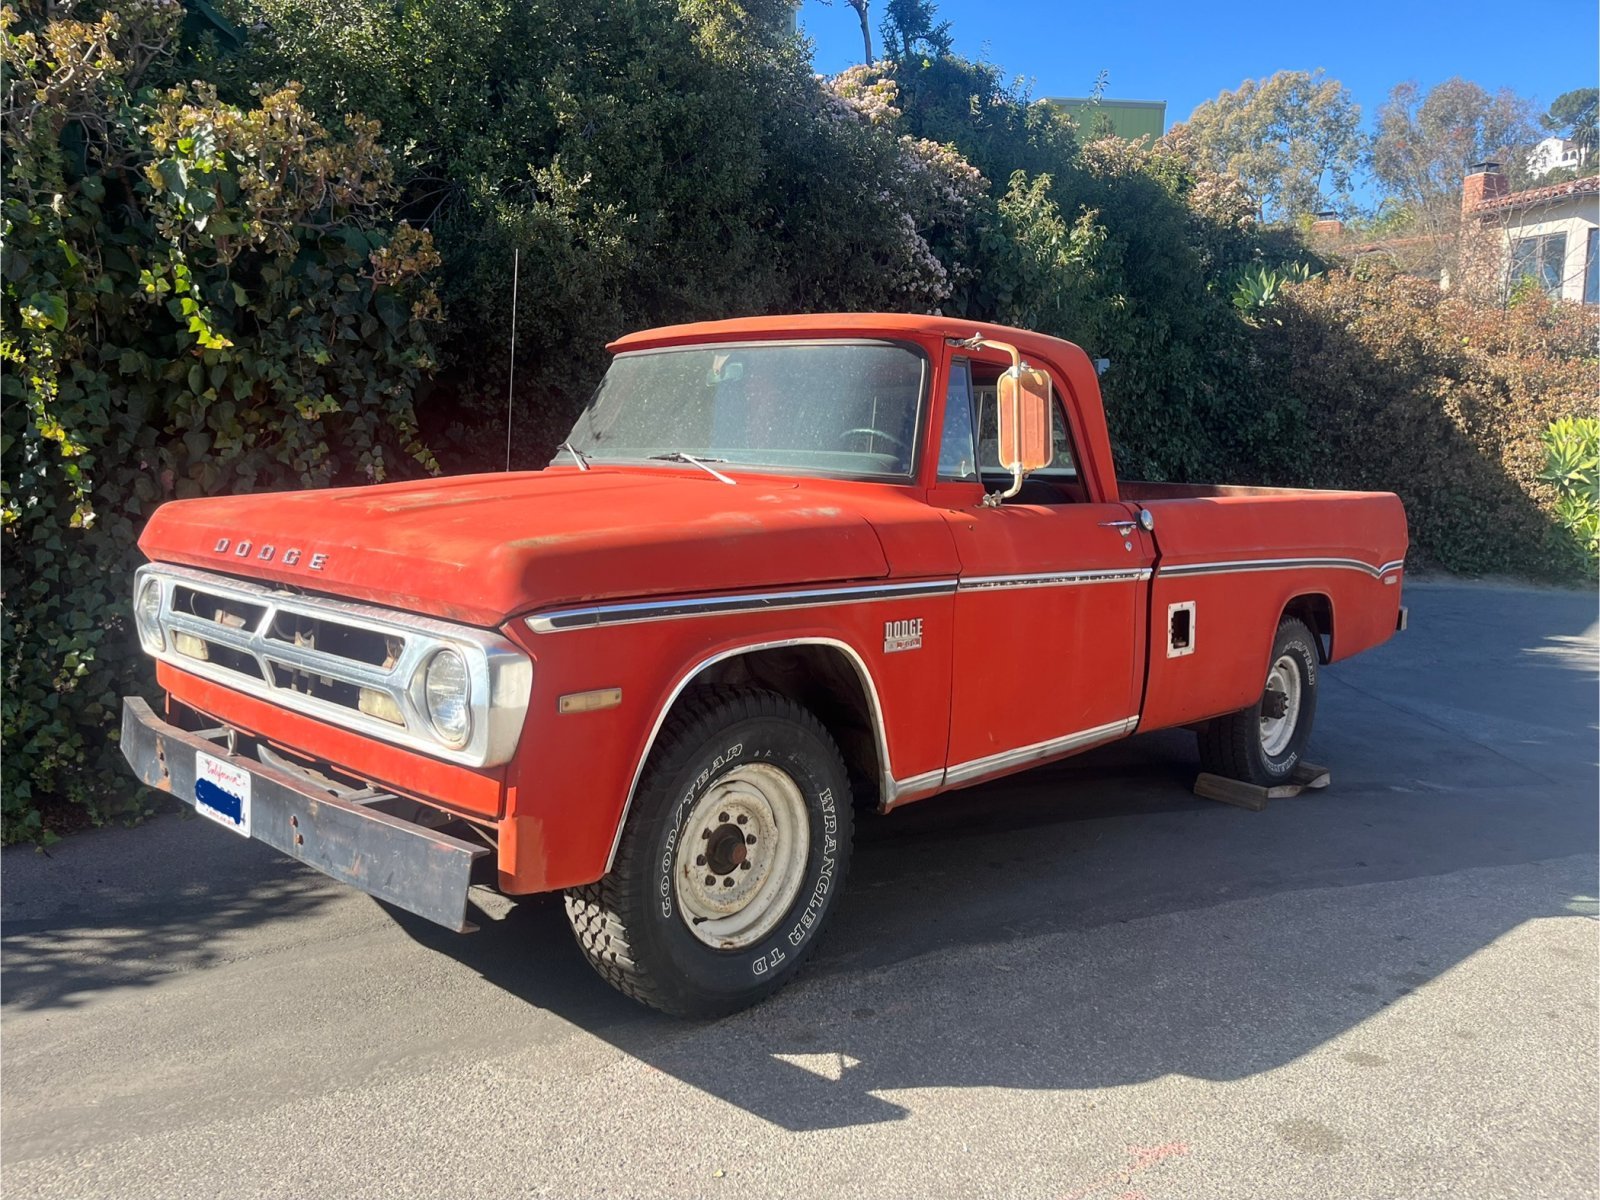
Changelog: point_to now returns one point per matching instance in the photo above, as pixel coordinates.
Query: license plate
(222, 792)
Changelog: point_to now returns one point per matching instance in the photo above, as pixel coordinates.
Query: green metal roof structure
(1131, 119)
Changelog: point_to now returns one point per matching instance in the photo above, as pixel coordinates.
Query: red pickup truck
(784, 568)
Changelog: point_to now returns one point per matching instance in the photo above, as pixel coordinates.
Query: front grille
(351, 664)
(287, 646)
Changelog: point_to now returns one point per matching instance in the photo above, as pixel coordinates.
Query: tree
(909, 30)
(860, 7)
(1426, 142)
(1573, 116)
(1293, 138)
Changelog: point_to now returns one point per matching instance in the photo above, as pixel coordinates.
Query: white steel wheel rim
(1277, 732)
(742, 857)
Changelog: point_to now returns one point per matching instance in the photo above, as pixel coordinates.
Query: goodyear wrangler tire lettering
(732, 860)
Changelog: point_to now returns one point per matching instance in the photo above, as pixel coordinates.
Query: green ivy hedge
(198, 298)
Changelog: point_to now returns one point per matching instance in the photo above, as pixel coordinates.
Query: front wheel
(731, 860)
(1264, 743)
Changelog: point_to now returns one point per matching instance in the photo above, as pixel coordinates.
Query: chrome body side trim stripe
(886, 778)
(1055, 579)
(1280, 564)
(912, 788)
(660, 610)
(993, 764)
(631, 613)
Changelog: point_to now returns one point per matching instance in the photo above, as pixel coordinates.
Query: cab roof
(921, 327)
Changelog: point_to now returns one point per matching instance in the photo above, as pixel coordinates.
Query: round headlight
(147, 616)
(448, 692)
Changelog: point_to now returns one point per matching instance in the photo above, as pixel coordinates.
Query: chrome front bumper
(407, 865)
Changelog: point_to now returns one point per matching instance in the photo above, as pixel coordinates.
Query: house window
(1591, 269)
(1541, 258)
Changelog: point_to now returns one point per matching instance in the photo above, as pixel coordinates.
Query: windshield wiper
(579, 455)
(703, 463)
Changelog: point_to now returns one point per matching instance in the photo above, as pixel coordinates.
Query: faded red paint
(997, 670)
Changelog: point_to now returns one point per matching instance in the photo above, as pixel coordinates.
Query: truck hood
(483, 548)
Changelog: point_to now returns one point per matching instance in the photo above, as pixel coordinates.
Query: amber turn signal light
(577, 702)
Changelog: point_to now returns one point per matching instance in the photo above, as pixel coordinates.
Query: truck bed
(1334, 558)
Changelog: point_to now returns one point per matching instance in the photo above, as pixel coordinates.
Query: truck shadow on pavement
(128, 907)
(1093, 924)
(1219, 995)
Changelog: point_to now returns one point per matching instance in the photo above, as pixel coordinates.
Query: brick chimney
(1483, 183)
(1327, 224)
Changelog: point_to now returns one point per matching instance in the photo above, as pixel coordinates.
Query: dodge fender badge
(267, 552)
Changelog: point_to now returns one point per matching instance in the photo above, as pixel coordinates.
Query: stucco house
(1555, 152)
(1546, 234)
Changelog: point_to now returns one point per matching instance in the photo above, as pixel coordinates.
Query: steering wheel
(888, 437)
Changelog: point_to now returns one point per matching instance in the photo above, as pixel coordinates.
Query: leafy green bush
(1153, 241)
(1572, 468)
(653, 161)
(198, 298)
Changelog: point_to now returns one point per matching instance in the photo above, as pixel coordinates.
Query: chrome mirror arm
(996, 499)
(977, 342)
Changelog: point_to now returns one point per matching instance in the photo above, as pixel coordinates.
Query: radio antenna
(511, 370)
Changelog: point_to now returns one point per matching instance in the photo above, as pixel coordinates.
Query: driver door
(1050, 603)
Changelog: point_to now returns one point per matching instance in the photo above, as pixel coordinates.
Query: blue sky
(1184, 53)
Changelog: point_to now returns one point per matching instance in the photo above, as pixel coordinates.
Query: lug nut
(705, 835)
(700, 860)
(749, 839)
(710, 880)
(728, 882)
(743, 819)
(722, 818)
(745, 865)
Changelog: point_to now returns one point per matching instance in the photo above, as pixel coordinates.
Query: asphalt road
(1082, 982)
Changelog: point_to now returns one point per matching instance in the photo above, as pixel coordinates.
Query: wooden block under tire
(1310, 776)
(1254, 797)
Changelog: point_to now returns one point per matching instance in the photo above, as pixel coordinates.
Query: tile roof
(1543, 195)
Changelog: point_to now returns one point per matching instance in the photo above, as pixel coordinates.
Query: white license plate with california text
(222, 792)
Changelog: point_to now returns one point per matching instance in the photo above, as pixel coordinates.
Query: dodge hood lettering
(292, 556)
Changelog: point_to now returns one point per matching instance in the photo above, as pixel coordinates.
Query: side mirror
(1024, 410)
(1023, 400)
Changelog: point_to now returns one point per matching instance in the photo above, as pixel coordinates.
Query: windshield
(838, 408)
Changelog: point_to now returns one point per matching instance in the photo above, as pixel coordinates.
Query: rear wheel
(731, 860)
(1264, 743)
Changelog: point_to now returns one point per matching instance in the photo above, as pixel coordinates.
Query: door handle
(1146, 520)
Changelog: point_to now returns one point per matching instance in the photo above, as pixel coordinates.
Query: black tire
(1232, 746)
(634, 925)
